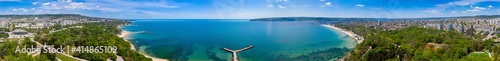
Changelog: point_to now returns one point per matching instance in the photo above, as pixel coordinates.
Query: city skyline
(248, 9)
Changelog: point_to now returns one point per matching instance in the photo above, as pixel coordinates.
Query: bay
(203, 40)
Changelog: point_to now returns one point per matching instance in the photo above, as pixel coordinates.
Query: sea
(203, 40)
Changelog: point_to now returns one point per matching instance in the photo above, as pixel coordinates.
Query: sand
(124, 34)
(349, 33)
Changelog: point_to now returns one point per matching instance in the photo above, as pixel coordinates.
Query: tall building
(462, 29)
(491, 22)
(450, 27)
(471, 27)
(441, 25)
(378, 23)
(495, 21)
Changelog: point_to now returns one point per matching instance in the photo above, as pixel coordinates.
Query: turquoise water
(203, 39)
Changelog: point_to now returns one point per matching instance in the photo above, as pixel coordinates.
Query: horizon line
(263, 17)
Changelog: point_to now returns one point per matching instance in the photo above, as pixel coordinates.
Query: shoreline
(124, 34)
(353, 35)
(350, 34)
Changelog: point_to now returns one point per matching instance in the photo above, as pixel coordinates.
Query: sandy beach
(358, 39)
(124, 34)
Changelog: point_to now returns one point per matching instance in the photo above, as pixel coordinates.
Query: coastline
(353, 35)
(124, 34)
(357, 38)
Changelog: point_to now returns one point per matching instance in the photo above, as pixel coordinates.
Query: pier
(235, 57)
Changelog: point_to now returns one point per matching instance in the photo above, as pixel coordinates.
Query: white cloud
(270, 5)
(65, 1)
(360, 5)
(464, 11)
(134, 4)
(479, 8)
(473, 10)
(281, 0)
(62, 6)
(299, 6)
(40, 11)
(321, 0)
(476, 9)
(442, 7)
(279, 6)
(379, 8)
(136, 7)
(45, 4)
(76, 5)
(25, 10)
(328, 3)
(53, 5)
(453, 12)
(490, 6)
(465, 3)
(34, 3)
(20, 9)
(67, 5)
(433, 11)
(110, 6)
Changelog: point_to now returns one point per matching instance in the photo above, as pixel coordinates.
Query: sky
(248, 9)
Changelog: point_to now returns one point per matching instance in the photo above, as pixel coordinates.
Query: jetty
(235, 57)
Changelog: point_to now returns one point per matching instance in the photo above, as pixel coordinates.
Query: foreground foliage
(419, 44)
(94, 34)
(8, 51)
